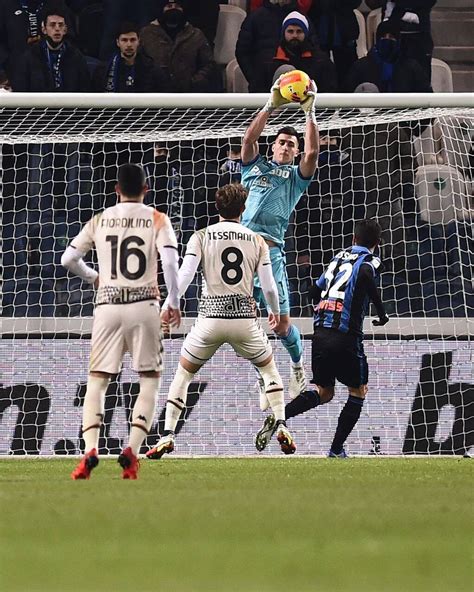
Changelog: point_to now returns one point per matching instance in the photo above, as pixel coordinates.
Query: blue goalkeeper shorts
(278, 259)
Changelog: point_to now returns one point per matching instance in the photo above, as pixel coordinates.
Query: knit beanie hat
(298, 19)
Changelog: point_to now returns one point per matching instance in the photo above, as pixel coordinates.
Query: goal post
(405, 159)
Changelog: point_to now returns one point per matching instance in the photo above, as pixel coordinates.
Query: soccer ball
(294, 85)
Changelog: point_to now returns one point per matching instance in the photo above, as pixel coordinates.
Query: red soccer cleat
(129, 463)
(84, 468)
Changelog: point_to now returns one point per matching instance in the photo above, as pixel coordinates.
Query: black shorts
(338, 356)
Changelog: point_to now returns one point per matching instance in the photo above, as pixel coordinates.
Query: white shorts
(246, 337)
(133, 327)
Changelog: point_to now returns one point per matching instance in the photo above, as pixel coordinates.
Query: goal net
(405, 160)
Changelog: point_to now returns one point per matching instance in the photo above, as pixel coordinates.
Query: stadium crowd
(170, 46)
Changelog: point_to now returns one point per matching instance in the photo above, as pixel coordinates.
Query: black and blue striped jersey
(345, 289)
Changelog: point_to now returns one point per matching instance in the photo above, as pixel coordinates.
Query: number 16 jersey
(127, 238)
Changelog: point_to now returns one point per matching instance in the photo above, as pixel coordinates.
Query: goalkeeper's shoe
(297, 380)
(84, 468)
(165, 446)
(129, 463)
(285, 439)
(264, 402)
(264, 435)
(342, 454)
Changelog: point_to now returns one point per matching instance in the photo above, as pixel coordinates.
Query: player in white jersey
(230, 255)
(127, 238)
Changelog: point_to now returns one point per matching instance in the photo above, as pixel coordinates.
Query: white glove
(275, 99)
(411, 17)
(309, 104)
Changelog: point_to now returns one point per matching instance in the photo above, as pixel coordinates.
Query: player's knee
(271, 376)
(326, 393)
(359, 392)
(179, 387)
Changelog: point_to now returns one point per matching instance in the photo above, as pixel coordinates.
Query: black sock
(347, 420)
(303, 402)
(167, 433)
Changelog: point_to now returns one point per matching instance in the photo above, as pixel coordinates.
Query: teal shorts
(278, 259)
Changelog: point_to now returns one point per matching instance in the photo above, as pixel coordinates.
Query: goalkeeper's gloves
(275, 99)
(309, 104)
(381, 321)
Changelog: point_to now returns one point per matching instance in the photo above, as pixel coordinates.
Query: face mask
(388, 49)
(173, 19)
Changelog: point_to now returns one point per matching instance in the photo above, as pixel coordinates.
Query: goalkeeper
(275, 187)
(342, 292)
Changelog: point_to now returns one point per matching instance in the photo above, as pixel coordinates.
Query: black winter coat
(420, 7)
(314, 62)
(32, 73)
(14, 33)
(259, 38)
(148, 77)
(408, 76)
(335, 21)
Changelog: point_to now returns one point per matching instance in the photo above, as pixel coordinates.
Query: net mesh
(412, 169)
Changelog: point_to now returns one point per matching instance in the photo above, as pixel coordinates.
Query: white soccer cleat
(285, 439)
(260, 385)
(297, 380)
(165, 446)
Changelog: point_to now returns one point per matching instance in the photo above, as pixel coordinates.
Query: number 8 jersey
(230, 255)
(127, 238)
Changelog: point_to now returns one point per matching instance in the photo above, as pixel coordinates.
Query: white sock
(143, 411)
(93, 411)
(274, 389)
(177, 397)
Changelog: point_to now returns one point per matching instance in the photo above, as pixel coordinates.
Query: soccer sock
(293, 344)
(303, 402)
(177, 397)
(347, 420)
(143, 411)
(274, 389)
(93, 411)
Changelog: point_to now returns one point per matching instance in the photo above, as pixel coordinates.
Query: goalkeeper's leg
(175, 405)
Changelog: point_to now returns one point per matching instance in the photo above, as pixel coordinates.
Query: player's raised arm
(309, 160)
(72, 258)
(366, 275)
(255, 129)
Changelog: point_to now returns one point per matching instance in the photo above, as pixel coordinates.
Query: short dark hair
(288, 130)
(230, 200)
(367, 233)
(131, 180)
(54, 9)
(127, 27)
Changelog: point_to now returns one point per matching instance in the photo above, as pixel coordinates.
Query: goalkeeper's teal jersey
(274, 190)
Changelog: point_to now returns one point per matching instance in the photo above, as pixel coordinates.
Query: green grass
(292, 524)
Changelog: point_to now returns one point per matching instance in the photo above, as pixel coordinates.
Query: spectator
(259, 38)
(204, 16)
(231, 169)
(129, 70)
(180, 49)
(301, 53)
(53, 64)
(337, 30)
(303, 5)
(413, 21)
(20, 27)
(385, 67)
(119, 11)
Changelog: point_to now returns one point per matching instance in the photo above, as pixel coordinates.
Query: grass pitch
(291, 524)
